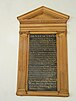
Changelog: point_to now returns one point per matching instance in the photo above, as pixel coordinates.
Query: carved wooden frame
(30, 24)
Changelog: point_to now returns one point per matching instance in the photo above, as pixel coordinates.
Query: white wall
(9, 27)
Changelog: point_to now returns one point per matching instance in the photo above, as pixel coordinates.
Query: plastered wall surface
(9, 42)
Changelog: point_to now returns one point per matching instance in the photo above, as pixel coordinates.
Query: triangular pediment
(43, 13)
(43, 16)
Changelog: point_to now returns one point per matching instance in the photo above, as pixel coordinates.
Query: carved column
(22, 63)
(63, 64)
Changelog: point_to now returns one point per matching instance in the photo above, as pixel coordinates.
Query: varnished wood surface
(44, 21)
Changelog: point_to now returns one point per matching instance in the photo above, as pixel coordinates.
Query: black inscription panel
(42, 69)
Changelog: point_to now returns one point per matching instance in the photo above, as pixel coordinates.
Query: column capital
(26, 32)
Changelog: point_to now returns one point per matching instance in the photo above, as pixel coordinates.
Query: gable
(43, 16)
(43, 13)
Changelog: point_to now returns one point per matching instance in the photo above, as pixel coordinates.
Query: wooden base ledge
(54, 94)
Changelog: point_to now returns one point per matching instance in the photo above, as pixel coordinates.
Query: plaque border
(25, 91)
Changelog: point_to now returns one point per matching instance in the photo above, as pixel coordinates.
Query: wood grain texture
(43, 21)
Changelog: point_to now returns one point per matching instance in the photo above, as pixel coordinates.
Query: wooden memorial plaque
(42, 65)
